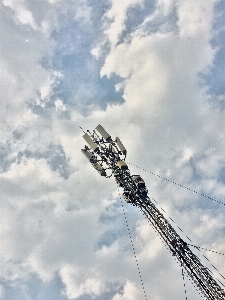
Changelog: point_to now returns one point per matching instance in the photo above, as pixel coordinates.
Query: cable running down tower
(108, 156)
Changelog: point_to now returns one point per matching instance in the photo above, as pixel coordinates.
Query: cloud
(116, 17)
(2, 292)
(61, 221)
(130, 292)
(75, 286)
(22, 14)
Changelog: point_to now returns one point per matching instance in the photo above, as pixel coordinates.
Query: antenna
(82, 129)
(109, 154)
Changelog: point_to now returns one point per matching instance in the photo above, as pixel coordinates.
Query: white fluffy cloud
(116, 17)
(78, 282)
(130, 292)
(74, 228)
(22, 14)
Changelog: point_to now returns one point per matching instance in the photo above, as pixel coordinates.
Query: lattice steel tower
(107, 156)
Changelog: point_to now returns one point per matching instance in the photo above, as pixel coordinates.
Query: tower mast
(107, 156)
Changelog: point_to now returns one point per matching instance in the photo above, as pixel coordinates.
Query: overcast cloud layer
(152, 73)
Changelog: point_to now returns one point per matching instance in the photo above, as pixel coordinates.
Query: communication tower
(108, 156)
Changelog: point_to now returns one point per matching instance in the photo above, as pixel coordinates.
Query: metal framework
(107, 156)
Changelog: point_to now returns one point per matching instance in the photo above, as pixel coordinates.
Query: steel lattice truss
(107, 156)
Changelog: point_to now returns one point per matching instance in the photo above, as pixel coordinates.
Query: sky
(150, 72)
